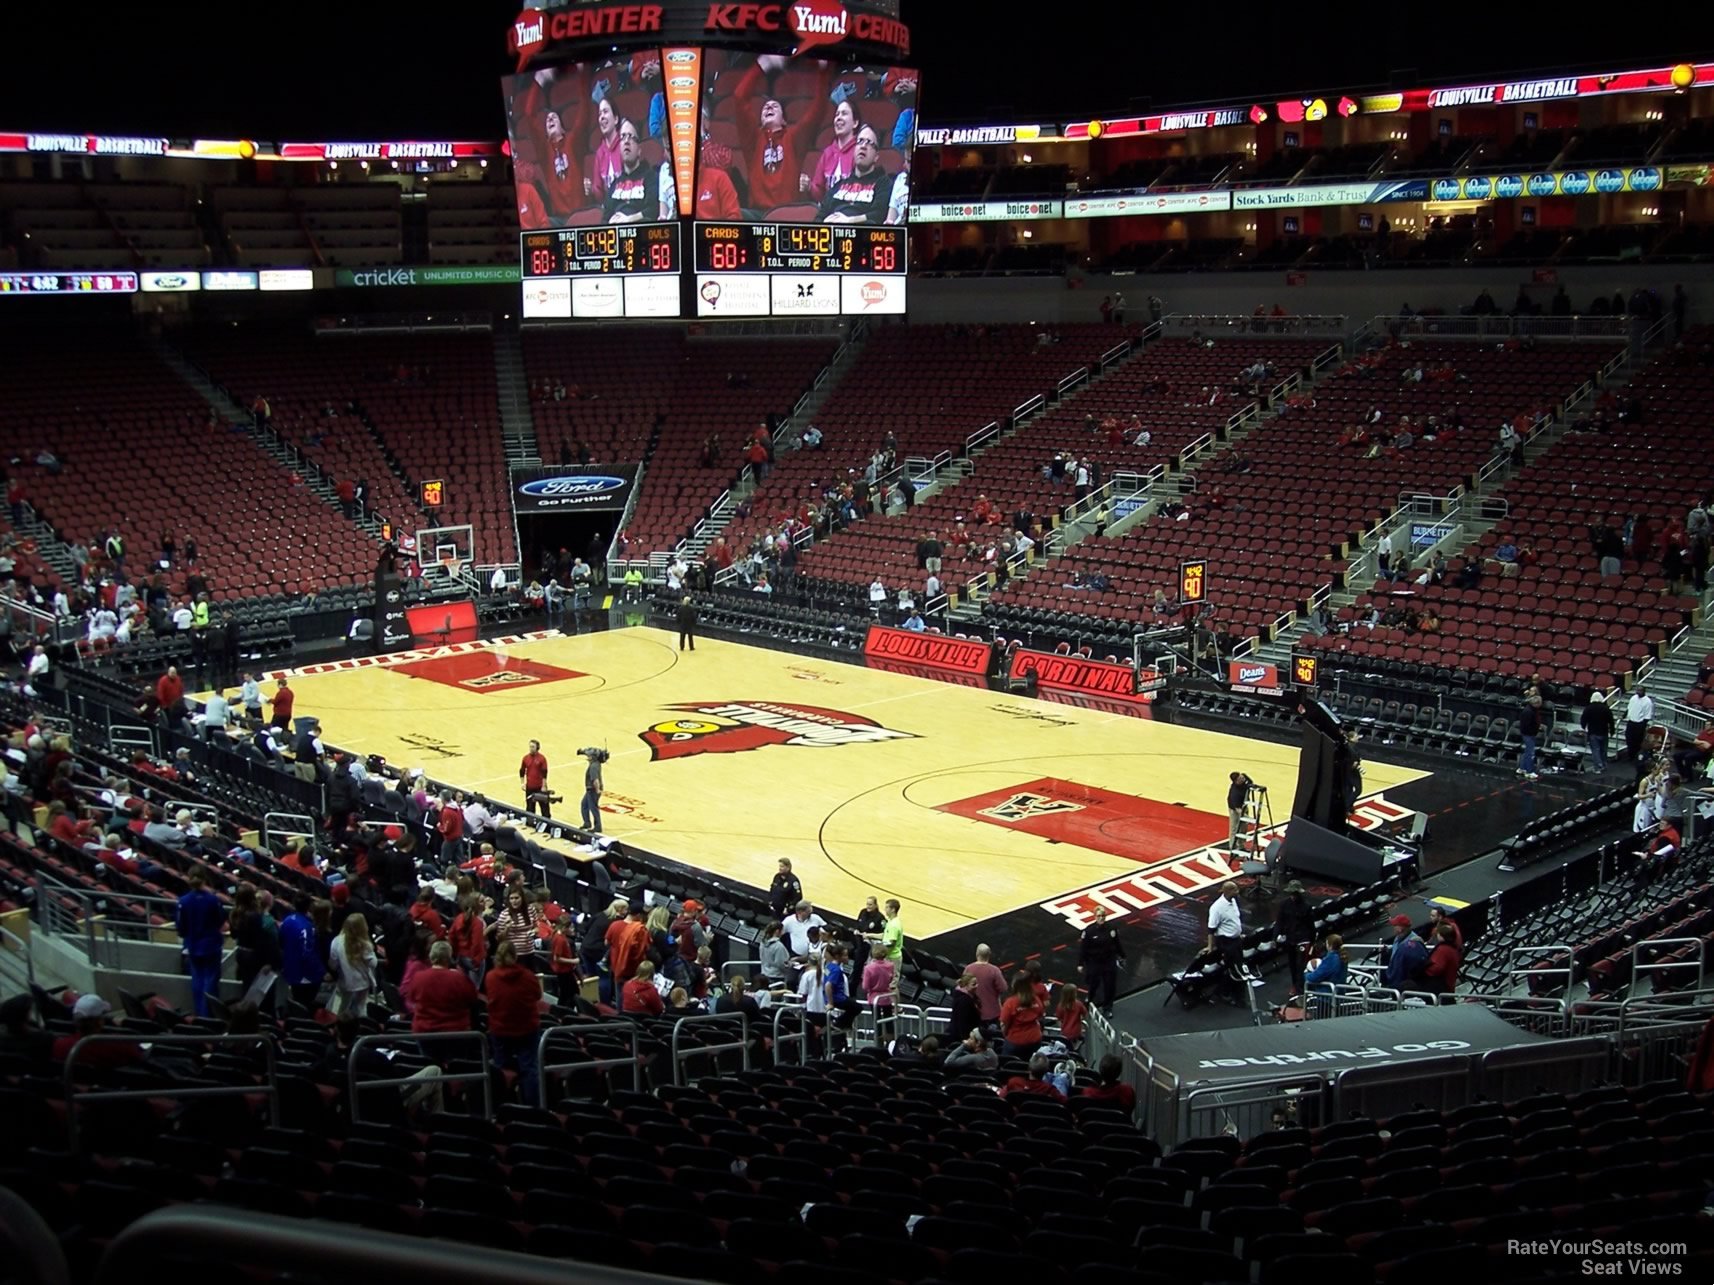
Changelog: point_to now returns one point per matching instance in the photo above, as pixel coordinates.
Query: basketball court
(964, 803)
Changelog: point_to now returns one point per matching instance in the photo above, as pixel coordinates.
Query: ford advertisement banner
(589, 490)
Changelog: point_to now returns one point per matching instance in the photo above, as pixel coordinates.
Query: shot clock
(795, 247)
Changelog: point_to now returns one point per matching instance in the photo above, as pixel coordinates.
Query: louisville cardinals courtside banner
(930, 651)
(1075, 674)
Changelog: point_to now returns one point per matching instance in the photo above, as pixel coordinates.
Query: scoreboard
(798, 247)
(68, 283)
(566, 252)
(623, 270)
(799, 269)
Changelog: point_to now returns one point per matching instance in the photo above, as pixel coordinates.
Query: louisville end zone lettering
(930, 650)
(731, 727)
(1100, 677)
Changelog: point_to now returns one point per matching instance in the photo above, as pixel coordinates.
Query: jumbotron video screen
(777, 186)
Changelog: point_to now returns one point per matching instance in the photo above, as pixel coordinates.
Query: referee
(686, 623)
(1226, 934)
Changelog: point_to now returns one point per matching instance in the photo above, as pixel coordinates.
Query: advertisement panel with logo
(870, 296)
(547, 297)
(286, 279)
(1107, 207)
(804, 296)
(989, 211)
(231, 279)
(723, 295)
(588, 490)
(597, 297)
(169, 282)
(652, 297)
(1253, 677)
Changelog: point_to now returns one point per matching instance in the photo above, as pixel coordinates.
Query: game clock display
(570, 252)
(794, 247)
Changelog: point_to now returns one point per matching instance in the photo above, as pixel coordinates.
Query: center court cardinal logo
(736, 726)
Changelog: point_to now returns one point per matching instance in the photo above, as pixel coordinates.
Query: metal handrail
(89, 916)
(73, 1097)
(12, 945)
(1118, 352)
(1246, 1098)
(628, 1029)
(981, 437)
(270, 828)
(781, 1040)
(355, 1085)
(707, 1019)
(1498, 325)
(1024, 410)
(158, 1245)
(1292, 324)
(1640, 967)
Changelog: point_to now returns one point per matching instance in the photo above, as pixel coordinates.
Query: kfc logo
(736, 727)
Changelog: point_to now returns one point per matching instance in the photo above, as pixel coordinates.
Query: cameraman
(592, 788)
(1236, 794)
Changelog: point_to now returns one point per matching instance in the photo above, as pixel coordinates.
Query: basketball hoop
(452, 564)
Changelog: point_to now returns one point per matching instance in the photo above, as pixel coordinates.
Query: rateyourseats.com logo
(1597, 1257)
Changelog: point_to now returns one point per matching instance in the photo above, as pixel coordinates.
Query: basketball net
(451, 563)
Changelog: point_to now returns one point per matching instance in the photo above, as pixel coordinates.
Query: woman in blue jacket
(1330, 972)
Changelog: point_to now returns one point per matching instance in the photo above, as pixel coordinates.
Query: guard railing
(424, 1077)
(76, 1097)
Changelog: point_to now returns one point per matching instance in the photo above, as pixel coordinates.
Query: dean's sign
(583, 490)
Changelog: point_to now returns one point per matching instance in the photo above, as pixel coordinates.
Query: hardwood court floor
(962, 803)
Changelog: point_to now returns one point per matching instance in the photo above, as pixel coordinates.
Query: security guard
(1099, 954)
(199, 631)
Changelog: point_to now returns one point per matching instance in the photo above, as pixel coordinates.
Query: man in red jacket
(169, 694)
(441, 997)
(514, 998)
(533, 772)
(773, 147)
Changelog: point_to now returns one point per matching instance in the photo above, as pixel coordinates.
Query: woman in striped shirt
(519, 923)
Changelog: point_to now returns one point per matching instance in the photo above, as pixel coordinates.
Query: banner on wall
(1505, 187)
(1076, 674)
(1274, 198)
(928, 651)
(1107, 207)
(1253, 677)
(987, 211)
